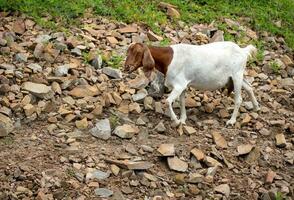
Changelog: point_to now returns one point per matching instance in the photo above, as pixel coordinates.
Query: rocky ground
(74, 127)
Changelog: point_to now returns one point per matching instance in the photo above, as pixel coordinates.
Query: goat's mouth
(130, 68)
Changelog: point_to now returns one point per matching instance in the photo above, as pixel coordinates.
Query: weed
(114, 120)
(279, 196)
(275, 66)
(70, 172)
(7, 140)
(164, 42)
(115, 61)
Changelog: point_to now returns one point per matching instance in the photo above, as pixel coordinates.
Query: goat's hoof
(256, 108)
(176, 123)
(183, 121)
(231, 122)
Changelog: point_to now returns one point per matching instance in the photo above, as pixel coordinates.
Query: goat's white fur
(208, 67)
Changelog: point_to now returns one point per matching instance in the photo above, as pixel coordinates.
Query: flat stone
(176, 164)
(19, 27)
(128, 29)
(39, 90)
(114, 169)
(219, 140)
(153, 37)
(253, 156)
(218, 36)
(126, 131)
(113, 73)
(139, 82)
(140, 95)
(62, 70)
(211, 162)
(223, 189)
(112, 40)
(195, 178)
(270, 176)
(244, 149)
(199, 155)
(102, 129)
(166, 149)
(35, 67)
(189, 130)
(131, 165)
(160, 127)
(82, 124)
(103, 192)
(280, 140)
(81, 91)
(6, 125)
(97, 175)
(43, 39)
(173, 13)
(21, 57)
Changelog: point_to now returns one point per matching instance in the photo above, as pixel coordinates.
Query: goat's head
(138, 55)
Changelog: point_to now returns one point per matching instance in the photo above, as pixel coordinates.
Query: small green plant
(86, 57)
(70, 172)
(164, 42)
(114, 120)
(275, 66)
(279, 196)
(115, 61)
(7, 140)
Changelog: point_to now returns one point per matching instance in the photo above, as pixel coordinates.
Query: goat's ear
(148, 63)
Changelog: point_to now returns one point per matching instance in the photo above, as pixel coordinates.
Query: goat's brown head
(138, 55)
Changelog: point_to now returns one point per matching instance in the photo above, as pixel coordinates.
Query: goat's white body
(207, 67)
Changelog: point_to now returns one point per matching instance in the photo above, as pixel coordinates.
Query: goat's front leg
(183, 108)
(171, 98)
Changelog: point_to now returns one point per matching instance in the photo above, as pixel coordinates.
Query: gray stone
(97, 62)
(21, 57)
(6, 125)
(76, 51)
(7, 66)
(97, 175)
(140, 95)
(39, 90)
(223, 189)
(43, 39)
(126, 131)
(103, 192)
(102, 129)
(35, 67)
(61, 70)
(60, 46)
(113, 73)
(160, 127)
(248, 105)
(157, 85)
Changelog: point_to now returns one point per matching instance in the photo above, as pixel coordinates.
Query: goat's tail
(250, 50)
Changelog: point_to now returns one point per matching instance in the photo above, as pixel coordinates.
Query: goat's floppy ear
(148, 62)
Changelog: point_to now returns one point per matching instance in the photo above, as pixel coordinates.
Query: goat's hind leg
(249, 91)
(238, 80)
(183, 108)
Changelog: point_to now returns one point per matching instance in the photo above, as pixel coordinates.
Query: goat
(204, 67)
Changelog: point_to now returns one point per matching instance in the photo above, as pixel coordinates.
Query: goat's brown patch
(148, 57)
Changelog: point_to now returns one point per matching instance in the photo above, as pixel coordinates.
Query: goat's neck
(162, 57)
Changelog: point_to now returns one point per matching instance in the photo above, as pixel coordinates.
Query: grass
(275, 67)
(263, 14)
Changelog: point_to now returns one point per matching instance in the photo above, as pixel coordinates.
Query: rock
(270, 176)
(173, 13)
(246, 119)
(251, 34)
(158, 107)
(131, 165)
(287, 82)
(223, 189)
(287, 61)
(253, 156)
(156, 88)
(195, 178)
(19, 27)
(244, 149)
(113, 73)
(82, 124)
(76, 51)
(62, 70)
(180, 179)
(112, 40)
(102, 129)
(97, 175)
(114, 169)
(43, 39)
(211, 162)
(40, 90)
(153, 37)
(21, 57)
(176, 164)
(38, 51)
(189, 130)
(84, 91)
(219, 140)
(199, 155)
(126, 131)
(128, 29)
(29, 109)
(6, 125)
(160, 127)
(139, 82)
(97, 62)
(103, 192)
(280, 140)
(217, 37)
(148, 103)
(35, 67)
(166, 149)
(139, 95)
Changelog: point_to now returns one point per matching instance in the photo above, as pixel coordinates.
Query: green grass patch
(8, 140)
(263, 14)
